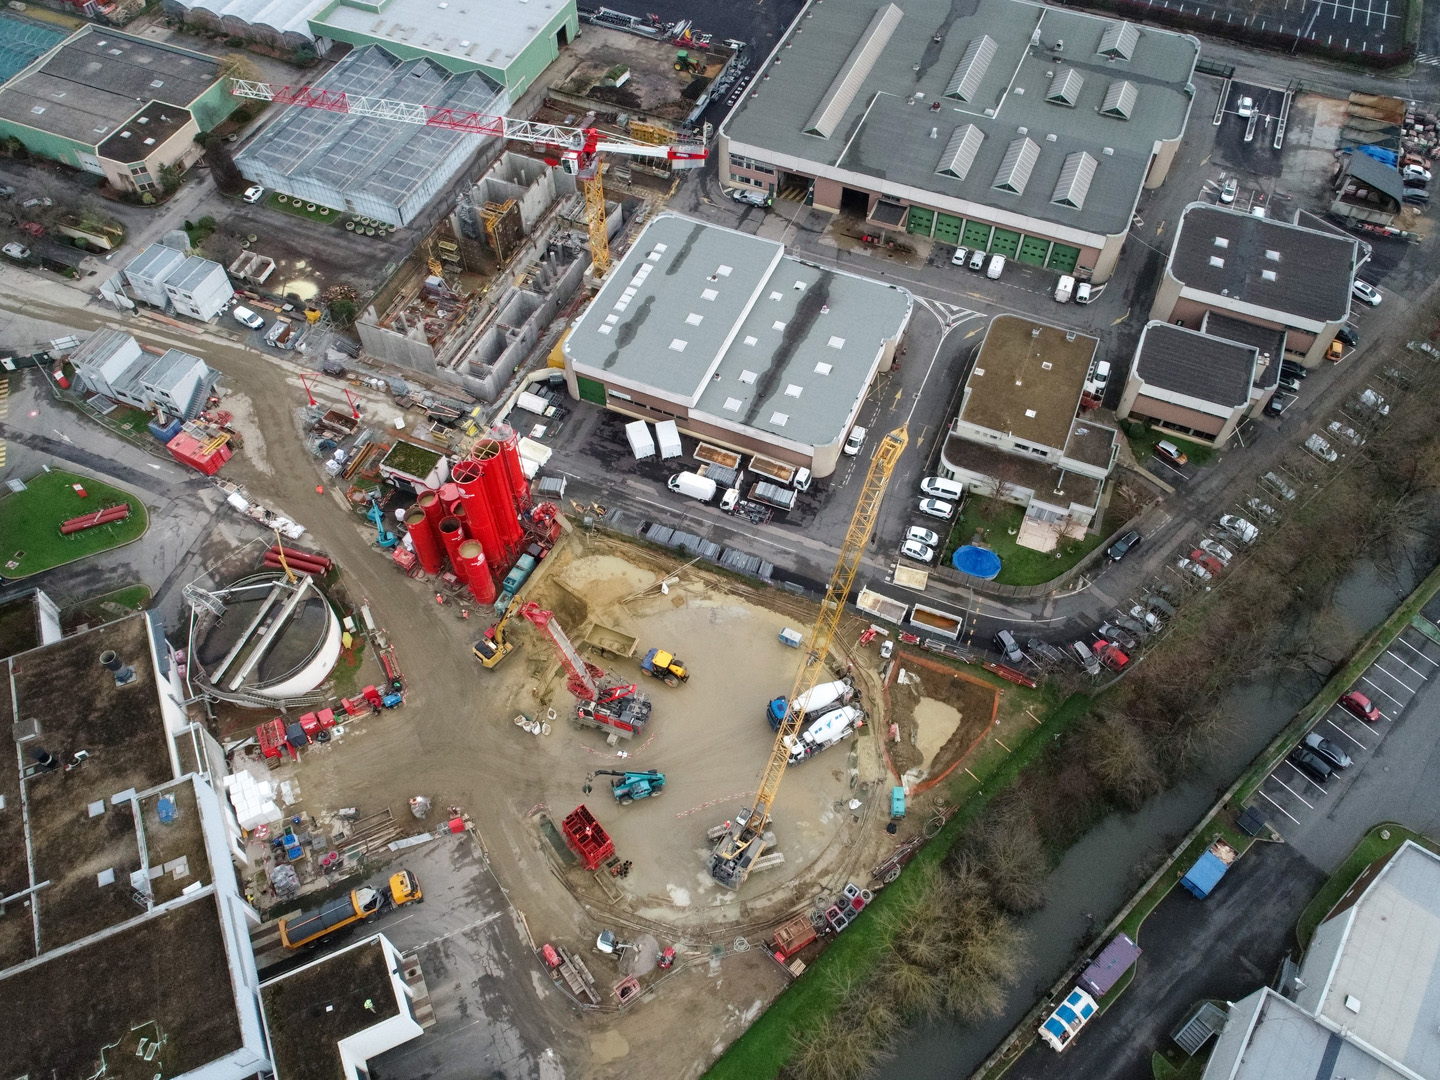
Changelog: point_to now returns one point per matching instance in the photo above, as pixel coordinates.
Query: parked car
(1415, 172)
(1239, 528)
(1159, 606)
(1081, 652)
(1397, 376)
(961, 257)
(1370, 401)
(16, 251)
(1288, 383)
(1201, 557)
(1317, 445)
(1357, 704)
(937, 508)
(1424, 347)
(1418, 196)
(1344, 431)
(1323, 748)
(245, 317)
(1291, 368)
(752, 198)
(1126, 544)
(917, 551)
(977, 259)
(1170, 452)
(1363, 290)
(1229, 191)
(996, 268)
(1146, 617)
(1217, 550)
(1278, 403)
(1186, 566)
(1310, 763)
(855, 440)
(43, 200)
(1111, 655)
(1260, 508)
(1335, 351)
(1083, 293)
(1349, 335)
(1098, 378)
(1139, 630)
(1008, 647)
(1246, 108)
(1117, 635)
(922, 536)
(253, 194)
(1284, 490)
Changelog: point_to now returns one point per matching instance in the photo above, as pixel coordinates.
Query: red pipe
(422, 536)
(509, 442)
(295, 558)
(452, 536)
(296, 553)
(449, 497)
(100, 517)
(299, 566)
(429, 501)
(479, 521)
(477, 573)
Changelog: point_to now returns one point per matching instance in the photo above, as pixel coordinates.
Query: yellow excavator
(744, 840)
(494, 646)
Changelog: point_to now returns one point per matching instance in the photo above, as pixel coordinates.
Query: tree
(1121, 758)
(223, 170)
(238, 66)
(169, 179)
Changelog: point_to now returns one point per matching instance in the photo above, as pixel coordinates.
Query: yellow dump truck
(310, 927)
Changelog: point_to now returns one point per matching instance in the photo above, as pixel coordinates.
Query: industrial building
(115, 105)
(113, 364)
(1018, 436)
(1275, 274)
(375, 167)
(1367, 190)
(740, 344)
(124, 934)
(1017, 128)
(1364, 1002)
(510, 41)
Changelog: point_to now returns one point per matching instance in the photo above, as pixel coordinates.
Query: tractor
(659, 664)
(684, 61)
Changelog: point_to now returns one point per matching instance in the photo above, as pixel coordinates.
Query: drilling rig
(616, 708)
(745, 839)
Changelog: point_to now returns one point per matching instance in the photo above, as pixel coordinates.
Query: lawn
(1018, 565)
(30, 539)
(1373, 846)
(1142, 439)
(291, 206)
(1174, 1065)
(106, 608)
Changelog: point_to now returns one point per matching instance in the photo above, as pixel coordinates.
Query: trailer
(609, 641)
(778, 471)
(587, 837)
(781, 498)
(714, 455)
(637, 433)
(668, 436)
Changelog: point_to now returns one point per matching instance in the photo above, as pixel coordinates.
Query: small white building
(146, 274)
(199, 288)
(112, 363)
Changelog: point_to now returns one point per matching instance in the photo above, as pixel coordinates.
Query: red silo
(427, 545)
(449, 496)
(477, 572)
(479, 521)
(429, 501)
(452, 536)
(500, 498)
(509, 442)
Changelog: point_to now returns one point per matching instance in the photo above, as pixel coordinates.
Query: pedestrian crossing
(4, 411)
(1428, 58)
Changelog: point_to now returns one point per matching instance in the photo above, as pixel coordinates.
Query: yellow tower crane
(735, 853)
(577, 150)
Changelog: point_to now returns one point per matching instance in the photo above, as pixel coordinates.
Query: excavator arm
(736, 851)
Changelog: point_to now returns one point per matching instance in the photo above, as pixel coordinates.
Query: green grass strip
(1371, 847)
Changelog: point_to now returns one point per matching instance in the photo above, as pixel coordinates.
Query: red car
(1359, 705)
(1110, 655)
(1208, 561)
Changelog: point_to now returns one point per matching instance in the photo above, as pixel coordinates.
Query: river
(1105, 866)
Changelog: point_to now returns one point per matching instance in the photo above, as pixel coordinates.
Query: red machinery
(584, 677)
(587, 837)
(617, 708)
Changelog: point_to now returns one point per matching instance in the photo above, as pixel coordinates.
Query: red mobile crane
(611, 707)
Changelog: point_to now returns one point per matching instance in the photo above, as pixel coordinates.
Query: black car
(1278, 403)
(1122, 547)
(1331, 754)
(1294, 370)
(1311, 764)
(1348, 335)
(1416, 195)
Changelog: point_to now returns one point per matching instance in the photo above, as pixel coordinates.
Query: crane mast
(735, 853)
(583, 676)
(576, 149)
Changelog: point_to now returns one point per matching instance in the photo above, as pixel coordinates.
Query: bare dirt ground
(938, 713)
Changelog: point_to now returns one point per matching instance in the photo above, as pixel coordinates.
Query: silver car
(1321, 449)
(922, 536)
(919, 552)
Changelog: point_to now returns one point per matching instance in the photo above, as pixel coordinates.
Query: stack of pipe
(427, 545)
(504, 436)
(108, 516)
(299, 562)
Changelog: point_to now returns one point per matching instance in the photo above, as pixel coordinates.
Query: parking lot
(1250, 135)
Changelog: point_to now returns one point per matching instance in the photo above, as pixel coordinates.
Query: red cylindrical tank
(477, 573)
(429, 501)
(427, 545)
(500, 498)
(452, 536)
(449, 496)
(509, 442)
(479, 521)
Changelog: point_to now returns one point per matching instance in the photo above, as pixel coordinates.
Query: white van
(997, 267)
(1082, 293)
(1064, 288)
(938, 487)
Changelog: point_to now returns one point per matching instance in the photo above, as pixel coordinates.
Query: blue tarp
(976, 561)
(1205, 874)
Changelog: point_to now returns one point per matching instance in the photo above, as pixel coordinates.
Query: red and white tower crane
(575, 149)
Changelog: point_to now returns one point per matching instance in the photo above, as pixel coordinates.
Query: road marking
(467, 927)
(1277, 806)
(1347, 734)
(1304, 776)
(1292, 791)
(1367, 679)
(1386, 671)
(1391, 654)
(1122, 318)
(1417, 652)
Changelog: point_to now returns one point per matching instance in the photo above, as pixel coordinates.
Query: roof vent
(1216, 260)
(111, 662)
(1273, 256)
(1222, 241)
(1352, 1003)
(1109, 151)
(1268, 275)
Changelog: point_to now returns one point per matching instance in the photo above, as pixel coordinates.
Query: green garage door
(590, 390)
(1033, 250)
(947, 228)
(1062, 258)
(976, 235)
(1004, 242)
(920, 220)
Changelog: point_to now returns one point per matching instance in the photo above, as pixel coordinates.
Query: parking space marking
(1386, 671)
(1292, 791)
(1277, 806)
(1407, 667)
(1417, 652)
(1305, 776)
(1352, 738)
(1366, 679)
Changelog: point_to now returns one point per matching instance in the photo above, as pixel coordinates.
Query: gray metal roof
(490, 32)
(193, 271)
(1267, 340)
(282, 16)
(1195, 364)
(985, 71)
(1284, 1043)
(99, 78)
(725, 324)
(157, 260)
(387, 160)
(1272, 265)
(1377, 174)
(171, 369)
